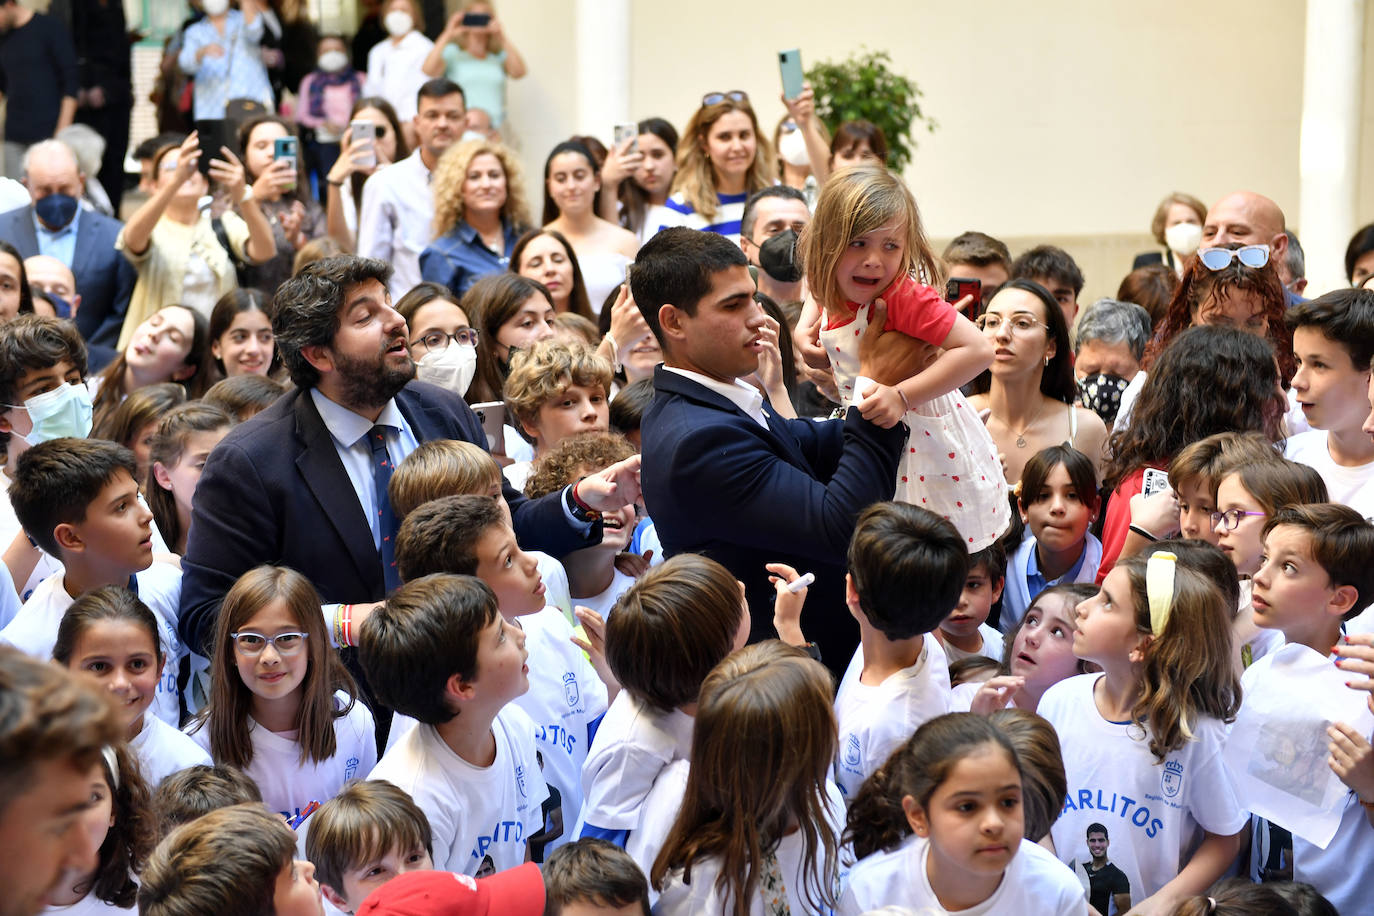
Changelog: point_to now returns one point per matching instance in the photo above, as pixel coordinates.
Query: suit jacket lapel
(777, 427)
(85, 242)
(26, 234)
(324, 474)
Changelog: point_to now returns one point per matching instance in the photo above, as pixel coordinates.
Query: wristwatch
(247, 194)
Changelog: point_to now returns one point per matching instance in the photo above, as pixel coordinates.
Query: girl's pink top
(913, 308)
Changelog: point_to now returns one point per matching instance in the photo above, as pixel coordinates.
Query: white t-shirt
(555, 579)
(1250, 643)
(1353, 486)
(1034, 882)
(633, 744)
(476, 813)
(875, 720)
(991, 648)
(287, 785)
(1156, 813)
(564, 698)
(34, 629)
(702, 895)
(518, 473)
(1340, 872)
(162, 750)
(9, 597)
(602, 603)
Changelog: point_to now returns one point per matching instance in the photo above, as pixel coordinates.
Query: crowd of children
(1031, 722)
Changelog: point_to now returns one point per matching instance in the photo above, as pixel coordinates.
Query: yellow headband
(1159, 588)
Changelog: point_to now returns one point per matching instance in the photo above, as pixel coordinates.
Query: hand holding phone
(625, 132)
(362, 135)
(789, 63)
(959, 287)
(476, 20)
(287, 149)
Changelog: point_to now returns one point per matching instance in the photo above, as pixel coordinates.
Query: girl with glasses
(1030, 390)
(721, 160)
(1245, 499)
(443, 342)
(282, 707)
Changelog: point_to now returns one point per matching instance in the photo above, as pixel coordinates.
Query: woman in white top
(1031, 391)
(393, 65)
(572, 181)
(354, 165)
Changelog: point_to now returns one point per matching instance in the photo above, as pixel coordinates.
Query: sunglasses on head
(734, 95)
(1255, 256)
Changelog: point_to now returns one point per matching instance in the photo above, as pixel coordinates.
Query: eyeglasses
(1020, 323)
(438, 340)
(251, 644)
(734, 95)
(1229, 519)
(1255, 256)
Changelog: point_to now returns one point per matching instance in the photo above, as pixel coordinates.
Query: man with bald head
(57, 225)
(1246, 218)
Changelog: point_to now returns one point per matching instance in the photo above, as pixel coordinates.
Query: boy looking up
(907, 568)
(1333, 340)
(440, 652)
(1317, 570)
(471, 536)
(78, 500)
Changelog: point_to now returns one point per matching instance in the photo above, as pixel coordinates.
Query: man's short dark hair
(909, 567)
(978, 249)
(1345, 316)
(1295, 260)
(197, 790)
(426, 632)
(1096, 828)
(149, 148)
(438, 88)
(56, 481)
(307, 309)
(596, 872)
(441, 536)
(746, 226)
(34, 342)
(628, 406)
(676, 266)
(1049, 262)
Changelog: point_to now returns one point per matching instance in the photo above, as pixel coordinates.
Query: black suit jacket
(717, 483)
(275, 491)
(104, 277)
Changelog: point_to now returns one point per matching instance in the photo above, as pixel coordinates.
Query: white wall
(1060, 120)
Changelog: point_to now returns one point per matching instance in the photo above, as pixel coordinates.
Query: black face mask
(778, 257)
(1101, 393)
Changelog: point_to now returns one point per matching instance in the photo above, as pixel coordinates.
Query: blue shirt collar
(1033, 567)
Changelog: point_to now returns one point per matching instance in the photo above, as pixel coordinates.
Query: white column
(1329, 154)
(603, 66)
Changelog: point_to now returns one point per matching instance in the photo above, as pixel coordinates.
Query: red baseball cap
(513, 892)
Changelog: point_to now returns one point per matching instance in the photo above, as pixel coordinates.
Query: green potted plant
(865, 87)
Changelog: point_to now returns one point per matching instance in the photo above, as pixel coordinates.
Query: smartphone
(959, 287)
(492, 416)
(789, 62)
(625, 132)
(1155, 481)
(476, 20)
(211, 135)
(364, 134)
(288, 148)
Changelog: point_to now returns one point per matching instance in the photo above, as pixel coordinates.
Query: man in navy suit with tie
(56, 224)
(723, 475)
(303, 484)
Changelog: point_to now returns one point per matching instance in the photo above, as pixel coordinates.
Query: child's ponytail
(1187, 672)
(876, 821)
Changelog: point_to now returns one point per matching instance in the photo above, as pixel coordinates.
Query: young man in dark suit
(723, 474)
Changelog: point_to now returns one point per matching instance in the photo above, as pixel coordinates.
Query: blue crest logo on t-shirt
(520, 780)
(570, 688)
(351, 767)
(1172, 781)
(852, 753)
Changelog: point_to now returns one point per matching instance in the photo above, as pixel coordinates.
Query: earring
(1047, 362)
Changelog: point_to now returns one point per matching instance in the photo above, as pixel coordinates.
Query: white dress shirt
(396, 222)
(743, 395)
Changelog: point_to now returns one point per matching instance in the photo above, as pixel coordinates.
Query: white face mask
(64, 412)
(215, 7)
(792, 149)
(452, 367)
(397, 23)
(1183, 238)
(333, 61)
